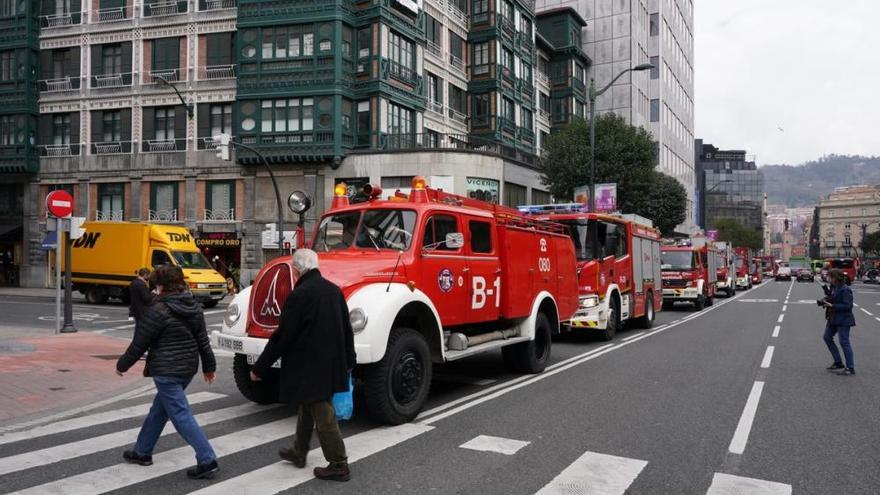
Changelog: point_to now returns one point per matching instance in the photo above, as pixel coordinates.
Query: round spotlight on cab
(299, 202)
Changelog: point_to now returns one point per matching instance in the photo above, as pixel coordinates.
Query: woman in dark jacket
(173, 330)
(841, 319)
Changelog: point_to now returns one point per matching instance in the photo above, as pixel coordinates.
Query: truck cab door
(444, 269)
(606, 255)
(485, 270)
(159, 257)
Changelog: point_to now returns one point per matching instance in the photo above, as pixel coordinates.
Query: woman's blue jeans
(843, 336)
(170, 403)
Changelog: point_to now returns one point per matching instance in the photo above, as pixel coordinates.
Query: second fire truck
(690, 273)
(618, 268)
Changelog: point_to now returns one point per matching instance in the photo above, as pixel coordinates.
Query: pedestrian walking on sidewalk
(840, 320)
(140, 297)
(316, 345)
(173, 330)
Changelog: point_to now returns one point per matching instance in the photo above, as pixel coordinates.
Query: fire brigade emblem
(446, 280)
(270, 305)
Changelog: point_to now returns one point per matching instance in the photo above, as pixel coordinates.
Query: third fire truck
(618, 268)
(726, 273)
(743, 262)
(690, 273)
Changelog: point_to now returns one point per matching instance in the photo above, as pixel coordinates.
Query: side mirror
(454, 240)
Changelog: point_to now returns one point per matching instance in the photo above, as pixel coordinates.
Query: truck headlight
(358, 320)
(590, 302)
(690, 283)
(233, 313)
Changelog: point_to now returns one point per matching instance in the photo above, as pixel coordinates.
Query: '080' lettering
(481, 293)
(543, 264)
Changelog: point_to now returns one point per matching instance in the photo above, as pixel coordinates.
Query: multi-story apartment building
(729, 185)
(845, 216)
(348, 91)
(621, 34)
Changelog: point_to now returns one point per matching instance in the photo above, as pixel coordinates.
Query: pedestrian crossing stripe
(726, 484)
(596, 473)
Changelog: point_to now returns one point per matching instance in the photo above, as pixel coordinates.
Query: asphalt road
(673, 410)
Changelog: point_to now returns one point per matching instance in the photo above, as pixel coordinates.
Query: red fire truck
(690, 273)
(743, 262)
(726, 275)
(768, 266)
(429, 278)
(618, 267)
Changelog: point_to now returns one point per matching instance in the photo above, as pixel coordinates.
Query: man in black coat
(315, 342)
(139, 294)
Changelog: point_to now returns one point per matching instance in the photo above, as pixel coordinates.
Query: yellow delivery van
(107, 257)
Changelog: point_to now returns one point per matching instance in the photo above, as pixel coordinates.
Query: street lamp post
(166, 82)
(593, 95)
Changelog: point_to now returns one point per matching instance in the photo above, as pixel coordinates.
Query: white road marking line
(776, 331)
(768, 356)
(632, 336)
(122, 475)
(282, 476)
(97, 419)
(216, 311)
(741, 435)
(58, 453)
(595, 474)
(727, 484)
(123, 327)
(216, 325)
(866, 311)
(468, 380)
(113, 321)
(781, 317)
(876, 318)
(486, 443)
(490, 393)
(785, 306)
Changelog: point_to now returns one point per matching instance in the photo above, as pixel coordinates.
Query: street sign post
(59, 204)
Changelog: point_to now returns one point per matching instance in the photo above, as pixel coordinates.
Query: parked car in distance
(784, 272)
(806, 275)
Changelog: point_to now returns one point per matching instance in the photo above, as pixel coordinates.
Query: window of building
(579, 71)
(434, 30)
(288, 41)
(655, 72)
(481, 109)
(110, 201)
(166, 54)
(163, 200)
(346, 114)
(560, 110)
(480, 11)
(540, 197)
(507, 59)
(400, 120)
(431, 139)
(525, 71)
(7, 129)
(527, 121)
(456, 48)
(346, 41)
(514, 194)
(220, 199)
(507, 108)
(363, 122)
(507, 10)
(221, 119)
(7, 8)
(654, 24)
(111, 59)
(655, 110)
(544, 102)
(481, 236)
(61, 129)
(7, 65)
(164, 123)
(525, 25)
(289, 114)
(481, 58)
(364, 43)
(393, 183)
(112, 121)
(544, 66)
(457, 99)
(435, 88)
(401, 51)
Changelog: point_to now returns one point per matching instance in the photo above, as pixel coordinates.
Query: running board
(488, 346)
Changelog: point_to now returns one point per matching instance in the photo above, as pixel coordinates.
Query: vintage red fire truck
(726, 274)
(690, 273)
(743, 262)
(618, 268)
(430, 277)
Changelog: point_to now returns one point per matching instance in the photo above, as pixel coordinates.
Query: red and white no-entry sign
(59, 204)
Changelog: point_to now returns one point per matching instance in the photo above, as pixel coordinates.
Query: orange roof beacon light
(419, 194)
(340, 196)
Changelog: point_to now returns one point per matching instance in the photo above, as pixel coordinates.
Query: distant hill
(802, 185)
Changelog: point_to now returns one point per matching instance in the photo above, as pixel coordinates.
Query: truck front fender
(544, 301)
(386, 306)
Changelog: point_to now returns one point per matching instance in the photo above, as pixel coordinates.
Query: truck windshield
(841, 263)
(795, 263)
(676, 260)
(369, 229)
(740, 262)
(583, 241)
(190, 259)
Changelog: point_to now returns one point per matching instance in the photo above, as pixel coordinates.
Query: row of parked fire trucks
(433, 277)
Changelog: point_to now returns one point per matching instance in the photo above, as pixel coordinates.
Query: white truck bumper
(689, 294)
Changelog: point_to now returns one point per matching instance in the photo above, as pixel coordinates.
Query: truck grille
(675, 284)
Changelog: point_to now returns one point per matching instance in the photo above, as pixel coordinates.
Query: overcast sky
(810, 67)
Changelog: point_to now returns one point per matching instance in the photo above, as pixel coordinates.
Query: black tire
(710, 300)
(668, 305)
(731, 291)
(395, 388)
(96, 295)
(531, 356)
(647, 320)
(700, 303)
(613, 321)
(265, 391)
(211, 303)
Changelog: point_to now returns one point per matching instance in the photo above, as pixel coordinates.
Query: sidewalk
(36, 292)
(44, 374)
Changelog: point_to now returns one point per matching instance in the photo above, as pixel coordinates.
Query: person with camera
(838, 305)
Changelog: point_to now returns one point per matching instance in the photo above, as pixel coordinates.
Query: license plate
(251, 359)
(230, 344)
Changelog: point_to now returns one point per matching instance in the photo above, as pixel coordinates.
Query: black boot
(203, 471)
(291, 456)
(334, 472)
(132, 457)
(835, 366)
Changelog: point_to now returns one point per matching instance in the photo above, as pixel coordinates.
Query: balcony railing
(435, 107)
(401, 72)
(103, 81)
(578, 85)
(170, 75)
(457, 14)
(162, 8)
(213, 72)
(207, 143)
(217, 4)
(61, 84)
(457, 116)
(164, 145)
(434, 48)
(217, 215)
(481, 69)
(456, 63)
(111, 148)
(109, 216)
(162, 216)
(506, 25)
(506, 124)
(53, 150)
(60, 20)
(113, 14)
(544, 114)
(540, 77)
(454, 142)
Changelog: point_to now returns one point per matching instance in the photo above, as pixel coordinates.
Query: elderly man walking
(316, 345)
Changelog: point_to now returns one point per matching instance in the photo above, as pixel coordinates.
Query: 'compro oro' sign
(218, 240)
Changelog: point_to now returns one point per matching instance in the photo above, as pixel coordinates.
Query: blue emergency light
(554, 208)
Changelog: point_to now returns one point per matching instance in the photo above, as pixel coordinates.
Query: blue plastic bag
(343, 402)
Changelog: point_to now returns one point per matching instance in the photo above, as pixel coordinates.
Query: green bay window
(481, 58)
(288, 42)
(288, 115)
(363, 123)
(481, 109)
(401, 124)
(402, 54)
(480, 11)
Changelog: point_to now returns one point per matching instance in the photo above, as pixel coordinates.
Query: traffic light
(222, 141)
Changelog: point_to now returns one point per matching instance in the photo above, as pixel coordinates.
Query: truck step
(488, 346)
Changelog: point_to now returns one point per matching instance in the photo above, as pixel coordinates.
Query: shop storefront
(223, 250)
